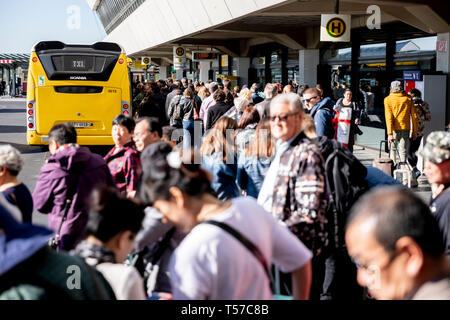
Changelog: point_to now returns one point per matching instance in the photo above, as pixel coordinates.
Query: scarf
(94, 254)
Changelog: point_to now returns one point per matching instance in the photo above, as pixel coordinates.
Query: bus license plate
(81, 124)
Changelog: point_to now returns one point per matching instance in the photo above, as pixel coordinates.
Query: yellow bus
(87, 85)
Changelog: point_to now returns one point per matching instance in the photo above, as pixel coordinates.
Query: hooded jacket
(399, 111)
(30, 270)
(323, 114)
(80, 170)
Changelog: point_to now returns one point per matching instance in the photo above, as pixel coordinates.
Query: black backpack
(345, 180)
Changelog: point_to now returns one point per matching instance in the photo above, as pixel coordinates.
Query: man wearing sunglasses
(321, 110)
(397, 247)
(294, 188)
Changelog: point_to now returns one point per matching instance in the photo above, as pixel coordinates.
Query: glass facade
(374, 79)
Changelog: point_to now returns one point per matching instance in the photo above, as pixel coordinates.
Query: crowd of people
(219, 192)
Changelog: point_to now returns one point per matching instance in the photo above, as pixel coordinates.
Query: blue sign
(412, 75)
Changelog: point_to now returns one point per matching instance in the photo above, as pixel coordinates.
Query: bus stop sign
(335, 27)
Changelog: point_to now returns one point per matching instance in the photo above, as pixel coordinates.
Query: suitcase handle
(381, 143)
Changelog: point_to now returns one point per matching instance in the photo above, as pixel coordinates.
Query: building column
(179, 74)
(308, 60)
(14, 79)
(204, 69)
(8, 79)
(390, 52)
(284, 71)
(443, 58)
(443, 64)
(163, 72)
(241, 65)
(268, 70)
(356, 52)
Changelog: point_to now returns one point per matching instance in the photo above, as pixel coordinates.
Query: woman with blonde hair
(219, 157)
(246, 93)
(254, 163)
(203, 92)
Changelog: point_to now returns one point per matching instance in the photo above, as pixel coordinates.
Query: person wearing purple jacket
(71, 172)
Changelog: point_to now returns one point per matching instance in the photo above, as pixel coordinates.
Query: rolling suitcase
(384, 164)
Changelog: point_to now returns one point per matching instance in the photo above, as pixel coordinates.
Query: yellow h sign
(335, 27)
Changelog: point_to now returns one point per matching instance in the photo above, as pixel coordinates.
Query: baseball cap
(396, 84)
(437, 147)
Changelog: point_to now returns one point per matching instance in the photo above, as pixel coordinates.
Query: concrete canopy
(234, 26)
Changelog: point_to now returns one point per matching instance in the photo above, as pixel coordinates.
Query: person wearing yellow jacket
(400, 113)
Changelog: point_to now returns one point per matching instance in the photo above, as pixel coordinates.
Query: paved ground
(367, 155)
(13, 131)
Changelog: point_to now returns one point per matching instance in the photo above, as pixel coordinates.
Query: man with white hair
(294, 187)
(270, 91)
(399, 113)
(208, 103)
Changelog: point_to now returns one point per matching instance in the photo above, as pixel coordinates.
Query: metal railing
(114, 12)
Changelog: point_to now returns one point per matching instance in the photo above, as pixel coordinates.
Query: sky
(23, 23)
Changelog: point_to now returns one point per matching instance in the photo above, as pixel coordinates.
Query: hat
(437, 147)
(396, 85)
(18, 241)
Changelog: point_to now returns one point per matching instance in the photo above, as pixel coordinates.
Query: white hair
(10, 158)
(292, 99)
(240, 103)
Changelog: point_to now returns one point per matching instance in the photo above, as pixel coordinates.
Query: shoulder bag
(254, 250)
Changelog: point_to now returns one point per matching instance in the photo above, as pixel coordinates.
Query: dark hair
(191, 86)
(399, 213)
(249, 116)
(63, 133)
(111, 213)
(160, 176)
(302, 89)
(314, 91)
(415, 92)
(219, 95)
(167, 132)
(153, 124)
(126, 121)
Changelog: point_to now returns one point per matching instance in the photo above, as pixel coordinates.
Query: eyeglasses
(282, 118)
(370, 266)
(308, 100)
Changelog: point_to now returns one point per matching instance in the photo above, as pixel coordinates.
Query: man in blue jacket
(321, 110)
